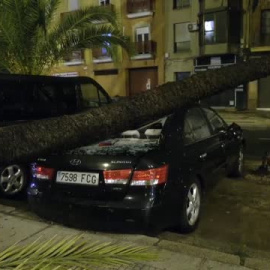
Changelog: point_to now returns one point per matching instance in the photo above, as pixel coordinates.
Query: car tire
(190, 209)
(237, 167)
(13, 180)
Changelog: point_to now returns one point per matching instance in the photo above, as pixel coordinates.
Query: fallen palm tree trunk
(26, 141)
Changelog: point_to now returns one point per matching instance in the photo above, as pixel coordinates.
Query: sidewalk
(247, 119)
(24, 228)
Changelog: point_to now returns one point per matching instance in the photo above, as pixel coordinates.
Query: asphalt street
(258, 142)
(256, 130)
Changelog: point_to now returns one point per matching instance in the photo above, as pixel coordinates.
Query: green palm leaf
(32, 39)
(71, 253)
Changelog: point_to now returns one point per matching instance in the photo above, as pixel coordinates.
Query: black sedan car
(154, 175)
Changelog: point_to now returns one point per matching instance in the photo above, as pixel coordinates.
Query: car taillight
(44, 173)
(117, 176)
(150, 177)
(105, 144)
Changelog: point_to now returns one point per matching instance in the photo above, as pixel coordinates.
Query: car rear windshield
(149, 131)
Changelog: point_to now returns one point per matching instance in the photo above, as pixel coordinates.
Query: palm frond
(71, 252)
(88, 16)
(50, 7)
(31, 40)
(18, 24)
(92, 37)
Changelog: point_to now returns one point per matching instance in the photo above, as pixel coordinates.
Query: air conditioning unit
(193, 27)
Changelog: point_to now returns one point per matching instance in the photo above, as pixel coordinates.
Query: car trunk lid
(102, 171)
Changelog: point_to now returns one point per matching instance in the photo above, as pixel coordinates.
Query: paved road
(256, 129)
(258, 141)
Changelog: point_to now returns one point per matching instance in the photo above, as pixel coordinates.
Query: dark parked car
(154, 175)
(27, 97)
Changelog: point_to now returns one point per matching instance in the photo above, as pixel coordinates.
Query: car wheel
(12, 180)
(191, 207)
(237, 167)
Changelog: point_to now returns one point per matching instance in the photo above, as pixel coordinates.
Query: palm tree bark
(26, 141)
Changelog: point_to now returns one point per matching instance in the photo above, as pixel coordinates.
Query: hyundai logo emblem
(75, 162)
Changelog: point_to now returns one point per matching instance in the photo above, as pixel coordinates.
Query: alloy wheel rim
(193, 204)
(12, 179)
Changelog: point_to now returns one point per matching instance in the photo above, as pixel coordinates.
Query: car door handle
(203, 156)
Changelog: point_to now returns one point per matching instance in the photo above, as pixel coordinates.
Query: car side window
(198, 124)
(188, 133)
(90, 95)
(11, 101)
(215, 121)
(103, 99)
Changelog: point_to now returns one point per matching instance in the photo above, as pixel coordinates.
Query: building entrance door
(142, 79)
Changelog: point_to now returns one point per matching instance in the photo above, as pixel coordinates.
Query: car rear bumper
(112, 215)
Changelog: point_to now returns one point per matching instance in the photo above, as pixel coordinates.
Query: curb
(200, 252)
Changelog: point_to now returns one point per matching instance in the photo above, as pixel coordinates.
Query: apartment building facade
(203, 35)
(143, 21)
(258, 35)
(182, 38)
(175, 39)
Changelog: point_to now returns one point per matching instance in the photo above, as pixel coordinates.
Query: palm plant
(71, 253)
(32, 39)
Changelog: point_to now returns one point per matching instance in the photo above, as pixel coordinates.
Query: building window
(74, 58)
(142, 34)
(179, 76)
(177, 4)
(104, 2)
(73, 5)
(215, 27)
(265, 27)
(209, 28)
(142, 37)
(181, 37)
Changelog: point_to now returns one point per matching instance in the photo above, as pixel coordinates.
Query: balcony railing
(145, 49)
(100, 55)
(107, 6)
(139, 8)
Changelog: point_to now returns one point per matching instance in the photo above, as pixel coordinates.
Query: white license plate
(79, 178)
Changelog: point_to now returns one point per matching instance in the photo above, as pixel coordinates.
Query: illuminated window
(209, 29)
(215, 27)
(105, 50)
